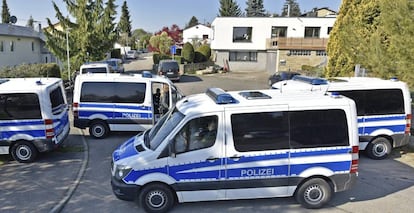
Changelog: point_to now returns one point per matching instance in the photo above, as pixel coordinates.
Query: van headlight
(121, 171)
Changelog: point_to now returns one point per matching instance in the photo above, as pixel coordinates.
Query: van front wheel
(314, 193)
(156, 198)
(379, 148)
(24, 152)
(98, 129)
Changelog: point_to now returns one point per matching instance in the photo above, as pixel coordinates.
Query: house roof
(20, 31)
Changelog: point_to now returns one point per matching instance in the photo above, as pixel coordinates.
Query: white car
(132, 54)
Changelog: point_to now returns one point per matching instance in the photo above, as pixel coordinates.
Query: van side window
(260, 131)
(377, 102)
(113, 92)
(318, 128)
(19, 106)
(197, 134)
(56, 98)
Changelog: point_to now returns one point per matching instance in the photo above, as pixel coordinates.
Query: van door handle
(212, 159)
(235, 158)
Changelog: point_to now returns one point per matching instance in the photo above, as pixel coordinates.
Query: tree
(193, 22)
(293, 7)
(188, 52)
(90, 37)
(378, 35)
(141, 37)
(5, 13)
(161, 43)
(229, 8)
(30, 22)
(124, 25)
(205, 51)
(255, 8)
(174, 32)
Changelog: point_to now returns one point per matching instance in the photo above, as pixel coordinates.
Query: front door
(197, 166)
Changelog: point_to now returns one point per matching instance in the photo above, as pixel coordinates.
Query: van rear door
(57, 118)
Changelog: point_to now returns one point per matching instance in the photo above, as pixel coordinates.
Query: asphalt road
(383, 186)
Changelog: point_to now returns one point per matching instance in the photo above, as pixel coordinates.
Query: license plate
(170, 73)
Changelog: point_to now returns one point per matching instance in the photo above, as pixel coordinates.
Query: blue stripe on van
(382, 118)
(183, 172)
(87, 113)
(114, 105)
(34, 133)
(394, 128)
(21, 123)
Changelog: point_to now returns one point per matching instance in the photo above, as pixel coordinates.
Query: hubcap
(313, 194)
(380, 150)
(156, 199)
(98, 131)
(23, 152)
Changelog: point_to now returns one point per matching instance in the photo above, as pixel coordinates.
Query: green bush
(188, 52)
(199, 57)
(156, 57)
(205, 50)
(31, 70)
(179, 59)
(116, 53)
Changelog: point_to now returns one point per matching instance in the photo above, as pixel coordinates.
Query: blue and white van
(121, 102)
(239, 145)
(383, 107)
(33, 116)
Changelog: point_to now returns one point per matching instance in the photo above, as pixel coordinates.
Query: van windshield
(162, 128)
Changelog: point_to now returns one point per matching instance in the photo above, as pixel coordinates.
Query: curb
(58, 208)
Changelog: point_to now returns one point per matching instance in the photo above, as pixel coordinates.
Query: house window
(312, 32)
(321, 53)
(242, 34)
(243, 56)
(1, 46)
(12, 46)
(279, 31)
(33, 46)
(299, 52)
(205, 37)
(329, 30)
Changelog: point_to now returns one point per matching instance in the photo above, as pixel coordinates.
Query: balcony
(282, 43)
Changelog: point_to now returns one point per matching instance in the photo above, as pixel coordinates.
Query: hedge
(31, 70)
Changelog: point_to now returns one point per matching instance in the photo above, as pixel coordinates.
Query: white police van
(120, 102)
(33, 116)
(383, 108)
(239, 145)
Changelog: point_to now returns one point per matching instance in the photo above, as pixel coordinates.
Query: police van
(241, 145)
(383, 108)
(33, 116)
(120, 102)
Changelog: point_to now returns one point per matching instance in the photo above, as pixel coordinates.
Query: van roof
(95, 64)
(122, 77)
(25, 84)
(338, 84)
(259, 98)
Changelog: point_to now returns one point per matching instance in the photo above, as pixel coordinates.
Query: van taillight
(354, 163)
(75, 110)
(50, 132)
(408, 124)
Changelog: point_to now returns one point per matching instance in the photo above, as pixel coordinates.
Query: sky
(153, 15)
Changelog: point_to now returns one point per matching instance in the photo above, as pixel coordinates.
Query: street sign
(173, 49)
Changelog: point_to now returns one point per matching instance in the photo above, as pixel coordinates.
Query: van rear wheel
(379, 148)
(24, 152)
(156, 198)
(314, 193)
(98, 129)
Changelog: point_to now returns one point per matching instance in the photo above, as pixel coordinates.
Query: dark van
(170, 69)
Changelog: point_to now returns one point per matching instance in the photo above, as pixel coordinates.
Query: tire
(378, 149)
(24, 152)
(98, 129)
(314, 193)
(156, 198)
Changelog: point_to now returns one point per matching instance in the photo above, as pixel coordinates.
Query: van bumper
(80, 123)
(46, 145)
(400, 140)
(124, 191)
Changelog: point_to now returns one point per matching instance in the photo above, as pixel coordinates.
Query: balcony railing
(283, 43)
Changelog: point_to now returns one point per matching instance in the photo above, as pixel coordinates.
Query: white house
(198, 33)
(22, 45)
(270, 44)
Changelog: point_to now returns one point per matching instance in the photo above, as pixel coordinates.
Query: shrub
(199, 57)
(205, 50)
(188, 52)
(31, 70)
(156, 57)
